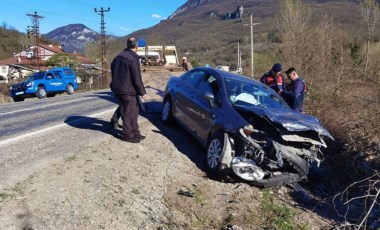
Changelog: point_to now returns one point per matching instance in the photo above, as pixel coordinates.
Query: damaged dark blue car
(246, 127)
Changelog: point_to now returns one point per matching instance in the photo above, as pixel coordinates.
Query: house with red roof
(23, 63)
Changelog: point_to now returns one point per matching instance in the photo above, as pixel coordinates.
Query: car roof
(224, 74)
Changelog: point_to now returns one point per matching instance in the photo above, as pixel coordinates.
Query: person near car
(127, 85)
(295, 94)
(274, 79)
(186, 66)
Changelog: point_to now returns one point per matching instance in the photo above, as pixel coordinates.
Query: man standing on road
(186, 66)
(127, 85)
(274, 79)
(295, 94)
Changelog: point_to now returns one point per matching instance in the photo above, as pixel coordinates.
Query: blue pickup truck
(45, 84)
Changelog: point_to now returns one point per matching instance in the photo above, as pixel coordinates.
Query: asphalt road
(36, 132)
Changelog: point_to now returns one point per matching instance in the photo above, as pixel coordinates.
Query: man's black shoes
(140, 137)
(114, 123)
(131, 140)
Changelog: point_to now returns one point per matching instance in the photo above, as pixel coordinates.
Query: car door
(201, 107)
(185, 92)
(59, 79)
(52, 83)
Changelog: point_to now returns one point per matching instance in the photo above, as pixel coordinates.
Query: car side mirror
(212, 100)
(208, 96)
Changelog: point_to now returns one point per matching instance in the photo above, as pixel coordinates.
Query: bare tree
(370, 15)
(293, 24)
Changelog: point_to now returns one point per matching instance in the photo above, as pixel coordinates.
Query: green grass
(278, 216)
(71, 158)
(5, 195)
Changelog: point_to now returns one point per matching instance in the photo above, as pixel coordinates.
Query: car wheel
(166, 114)
(18, 99)
(41, 92)
(70, 89)
(215, 148)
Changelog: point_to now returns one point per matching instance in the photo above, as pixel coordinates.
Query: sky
(124, 17)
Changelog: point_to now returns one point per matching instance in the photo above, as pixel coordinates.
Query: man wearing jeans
(127, 85)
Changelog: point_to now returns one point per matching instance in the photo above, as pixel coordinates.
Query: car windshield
(249, 94)
(34, 77)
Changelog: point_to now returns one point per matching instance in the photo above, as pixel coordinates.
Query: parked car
(45, 84)
(246, 127)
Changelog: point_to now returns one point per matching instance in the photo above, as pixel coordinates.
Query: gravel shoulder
(112, 184)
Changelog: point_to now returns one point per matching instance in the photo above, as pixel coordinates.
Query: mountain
(201, 30)
(73, 37)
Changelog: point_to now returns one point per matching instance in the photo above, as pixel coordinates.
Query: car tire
(166, 114)
(70, 89)
(215, 148)
(18, 99)
(41, 92)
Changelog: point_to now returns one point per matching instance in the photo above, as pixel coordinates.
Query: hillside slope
(198, 30)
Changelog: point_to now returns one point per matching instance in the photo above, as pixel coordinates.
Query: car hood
(18, 85)
(289, 120)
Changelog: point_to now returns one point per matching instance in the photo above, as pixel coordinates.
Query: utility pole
(103, 44)
(239, 68)
(252, 24)
(34, 32)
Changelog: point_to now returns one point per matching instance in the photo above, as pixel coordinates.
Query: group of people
(294, 93)
(127, 86)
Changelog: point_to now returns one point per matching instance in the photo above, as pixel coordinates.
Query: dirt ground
(157, 184)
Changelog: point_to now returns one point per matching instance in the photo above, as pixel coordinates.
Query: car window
(57, 75)
(250, 94)
(68, 72)
(49, 75)
(194, 77)
(209, 85)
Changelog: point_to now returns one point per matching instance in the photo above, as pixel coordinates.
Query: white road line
(13, 139)
(44, 106)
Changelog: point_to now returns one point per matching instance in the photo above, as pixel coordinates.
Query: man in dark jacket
(296, 92)
(274, 79)
(127, 85)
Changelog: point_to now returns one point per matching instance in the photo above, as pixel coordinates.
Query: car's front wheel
(166, 114)
(41, 92)
(215, 150)
(70, 89)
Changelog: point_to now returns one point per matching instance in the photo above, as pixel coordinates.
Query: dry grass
(4, 94)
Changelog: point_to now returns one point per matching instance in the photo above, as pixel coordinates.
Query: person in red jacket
(274, 79)
(127, 85)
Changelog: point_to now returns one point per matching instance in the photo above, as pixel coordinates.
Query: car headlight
(10, 87)
(30, 84)
(248, 130)
(295, 127)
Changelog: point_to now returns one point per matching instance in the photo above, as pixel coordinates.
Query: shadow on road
(182, 140)
(108, 96)
(83, 122)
